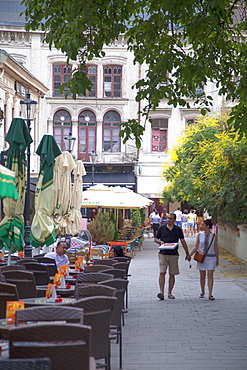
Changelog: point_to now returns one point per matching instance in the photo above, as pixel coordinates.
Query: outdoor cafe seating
(90, 286)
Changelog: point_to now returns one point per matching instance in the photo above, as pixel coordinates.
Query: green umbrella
(12, 225)
(42, 228)
(7, 184)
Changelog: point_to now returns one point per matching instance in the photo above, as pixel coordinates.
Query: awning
(112, 179)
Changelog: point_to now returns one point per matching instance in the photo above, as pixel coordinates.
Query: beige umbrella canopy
(64, 165)
(113, 197)
(76, 199)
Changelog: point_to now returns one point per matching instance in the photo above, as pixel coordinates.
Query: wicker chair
(8, 292)
(116, 273)
(50, 263)
(24, 281)
(98, 314)
(2, 278)
(67, 345)
(96, 268)
(12, 267)
(94, 290)
(122, 266)
(117, 314)
(50, 313)
(23, 261)
(123, 259)
(105, 262)
(40, 272)
(25, 364)
(90, 278)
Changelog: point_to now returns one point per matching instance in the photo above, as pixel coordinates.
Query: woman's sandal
(171, 296)
(211, 298)
(201, 295)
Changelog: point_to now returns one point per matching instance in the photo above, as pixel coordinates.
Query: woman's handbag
(200, 257)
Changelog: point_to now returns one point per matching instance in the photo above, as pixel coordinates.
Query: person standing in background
(190, 222)
(184, 222)
(195, 227)
(178, 214)
(155, 222)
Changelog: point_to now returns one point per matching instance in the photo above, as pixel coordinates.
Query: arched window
(111, 129)
(86, 134)
(61, 127)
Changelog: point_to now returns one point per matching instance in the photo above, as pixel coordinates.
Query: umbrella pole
(9, 258)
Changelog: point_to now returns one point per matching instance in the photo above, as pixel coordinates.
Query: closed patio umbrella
(64, 165)
(76, 198)
(42, 228)
(7, 184)
(12, 225)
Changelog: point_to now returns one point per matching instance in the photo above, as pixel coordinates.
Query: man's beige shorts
(171, 261)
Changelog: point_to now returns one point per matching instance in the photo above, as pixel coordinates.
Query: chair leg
(120, 348)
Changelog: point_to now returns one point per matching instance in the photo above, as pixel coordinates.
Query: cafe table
(63, 292)
(42, 301)
(68, 279)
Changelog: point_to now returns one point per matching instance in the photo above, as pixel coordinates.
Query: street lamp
(28, 108)
(69, 142)
(93, 158)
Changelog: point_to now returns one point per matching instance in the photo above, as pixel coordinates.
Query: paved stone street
(188, 332)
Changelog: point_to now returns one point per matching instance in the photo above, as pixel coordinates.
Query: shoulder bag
(200, 257)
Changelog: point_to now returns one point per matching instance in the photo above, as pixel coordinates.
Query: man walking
(168, 255)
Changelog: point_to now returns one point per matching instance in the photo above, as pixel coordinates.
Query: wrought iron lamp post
(69, 142)
(28, 108)
(93, 158)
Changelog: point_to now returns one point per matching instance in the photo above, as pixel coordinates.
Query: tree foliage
(184, 43)
(209, 170)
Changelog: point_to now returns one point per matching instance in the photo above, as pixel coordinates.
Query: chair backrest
(96, 252)
(67, 345)
(122, 266)
(89, 278)
(121, 286)
(98, 313)
(37, 256)
(12, 258)
(40, 272)
(8, 292)
(25, 364)
(24, 281)
(8, 288)
(50, 313)
(13, 267)
(71, 257)
(123, 259)
(94, 290)
(35, 266)
(50, 263)
(105, 262)
(96, 268)
(23, 261)
(116, 273)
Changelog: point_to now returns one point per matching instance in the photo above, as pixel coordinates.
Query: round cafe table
(63, 292)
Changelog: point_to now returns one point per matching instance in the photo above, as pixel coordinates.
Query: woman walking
(205, 239)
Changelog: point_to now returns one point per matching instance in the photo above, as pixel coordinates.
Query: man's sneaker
(160, 296)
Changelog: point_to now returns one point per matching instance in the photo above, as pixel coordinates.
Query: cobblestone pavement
(188, 332)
